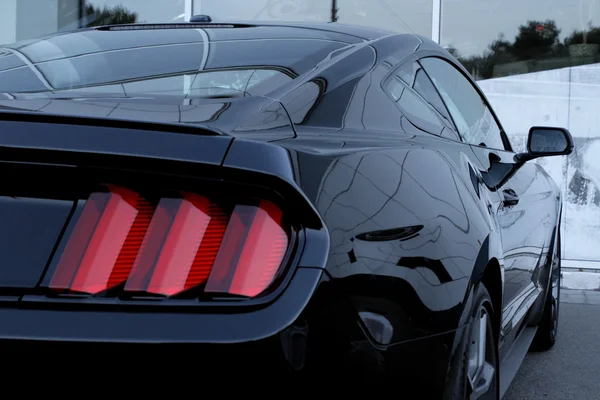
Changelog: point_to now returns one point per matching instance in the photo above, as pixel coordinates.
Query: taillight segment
(252, 250)
(122, 241)
(171, 259)
(100, 253)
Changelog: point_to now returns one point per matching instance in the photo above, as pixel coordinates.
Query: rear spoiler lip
(17, 115)
(66, 140)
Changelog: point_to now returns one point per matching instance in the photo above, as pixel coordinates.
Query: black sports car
(314, 199)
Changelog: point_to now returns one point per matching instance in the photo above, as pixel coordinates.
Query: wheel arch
(492, 280)
(489, 271)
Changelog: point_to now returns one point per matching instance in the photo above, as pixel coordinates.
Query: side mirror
(546, 142)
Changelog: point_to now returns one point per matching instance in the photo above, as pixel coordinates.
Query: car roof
(240, 30)
(273, 29)
(361, 32)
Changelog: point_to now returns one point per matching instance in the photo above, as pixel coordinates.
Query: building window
(102, 12)
(518, 37)
(30, 19)
(412, 16)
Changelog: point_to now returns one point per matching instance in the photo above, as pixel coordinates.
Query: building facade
(538, 61)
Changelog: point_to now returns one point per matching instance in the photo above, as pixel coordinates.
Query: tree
(589, 36)
(108, 16)
(536, 40)
(453, 51)
(500, 51)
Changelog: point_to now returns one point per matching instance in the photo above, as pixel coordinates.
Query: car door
(522, 200)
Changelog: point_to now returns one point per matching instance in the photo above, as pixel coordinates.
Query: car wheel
(473, 371)
(545, 338)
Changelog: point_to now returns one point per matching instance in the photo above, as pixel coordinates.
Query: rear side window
(413, 75)
(407, 72)
(412, 106)
(470, 112)
(425, 88)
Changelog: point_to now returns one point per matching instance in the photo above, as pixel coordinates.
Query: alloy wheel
(481, 359)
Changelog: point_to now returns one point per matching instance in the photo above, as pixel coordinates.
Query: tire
(464, 381)
(545, 338)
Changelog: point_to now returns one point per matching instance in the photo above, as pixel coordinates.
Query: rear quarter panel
(406, 222)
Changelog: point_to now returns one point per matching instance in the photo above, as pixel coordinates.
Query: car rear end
(142, 237)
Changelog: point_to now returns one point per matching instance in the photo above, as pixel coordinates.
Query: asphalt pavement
(571, 370)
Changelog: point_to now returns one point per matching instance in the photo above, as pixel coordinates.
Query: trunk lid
(252, 117)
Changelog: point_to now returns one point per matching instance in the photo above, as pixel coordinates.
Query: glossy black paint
(37, 225)
(400, 218)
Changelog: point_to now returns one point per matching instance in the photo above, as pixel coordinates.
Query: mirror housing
(546, 142)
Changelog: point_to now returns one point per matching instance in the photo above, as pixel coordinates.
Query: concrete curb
(578, 280)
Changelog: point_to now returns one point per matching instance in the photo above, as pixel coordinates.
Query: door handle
(510, 198)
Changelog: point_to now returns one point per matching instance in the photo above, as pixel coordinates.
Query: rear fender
(406, 247)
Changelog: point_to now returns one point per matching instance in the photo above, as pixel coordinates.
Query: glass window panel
(413, 107)
(518, 37)
(407, 16)
(400, 16)
(473, 119)
(81, 43)
(9, 60)
(29, 19)
(297, 55)
(425, 88)
(117, 66)
(100, 12)
(21, 79)
(264, 10)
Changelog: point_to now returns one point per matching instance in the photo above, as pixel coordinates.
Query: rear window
(158, 62)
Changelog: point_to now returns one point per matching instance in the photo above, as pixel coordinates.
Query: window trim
(460, 69)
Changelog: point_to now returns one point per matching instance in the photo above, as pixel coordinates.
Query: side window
(472, 116)
(407, 72)
(413, 107)
(425, 88)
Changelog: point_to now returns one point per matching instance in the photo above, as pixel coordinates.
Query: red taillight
(173, 258)
(181, 244)
(104, 242)
(251, 252)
